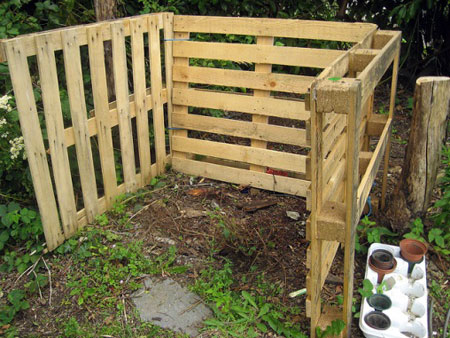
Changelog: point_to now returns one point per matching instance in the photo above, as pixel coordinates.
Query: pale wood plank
(313, 303)
(142, 103)
(168, 61)
(120, 71)
(255, 179)
(34, 144)
(351, 187)
(238, 78)
(268, 106)
(156, 85)
(262, 68)
(301, 29)
(252, 130)
(262, 157)
(55, 131)
(100, 94)
(80, 130)
(238, 52)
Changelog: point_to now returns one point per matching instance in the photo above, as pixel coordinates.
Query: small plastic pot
(412, 250)
(377, 320)
(379, 302)
(382, 259)
(382, 271)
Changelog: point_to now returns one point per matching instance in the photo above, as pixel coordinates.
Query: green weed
(241, 313)
(368, 233)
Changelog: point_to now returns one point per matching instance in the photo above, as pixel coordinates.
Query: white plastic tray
(408, 312)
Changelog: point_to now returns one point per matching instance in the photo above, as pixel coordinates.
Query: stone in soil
(167, 304)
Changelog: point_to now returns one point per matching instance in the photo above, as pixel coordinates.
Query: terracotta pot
(382, 271)
(412, 250)
(382, 259)
(377, 320)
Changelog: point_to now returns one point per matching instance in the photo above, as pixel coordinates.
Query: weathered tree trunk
(413, 192)
(106, 10)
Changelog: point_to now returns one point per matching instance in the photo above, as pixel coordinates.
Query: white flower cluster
(4, 103)
(17, 146)
(3, 122)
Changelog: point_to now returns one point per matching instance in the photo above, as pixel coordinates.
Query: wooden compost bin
(319, 127)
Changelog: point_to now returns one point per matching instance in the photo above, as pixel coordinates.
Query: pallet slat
(55, 131)
(237, 52)
(256, 179)
(123, 106)
(298, 84)
(156, 88)
(34, 144)
(141, 108)
(301, 29)
(100, 94)
(80, 128)
(252, 130)
(268, 106)
(233, 152)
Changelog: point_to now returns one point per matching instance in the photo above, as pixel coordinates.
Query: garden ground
(235, 246)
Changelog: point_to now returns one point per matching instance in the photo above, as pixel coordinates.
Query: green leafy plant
(417, 231)
(334, 329)
(16, 303)
(367, 289)
(368, 233)
(19, 226)
(240, 313)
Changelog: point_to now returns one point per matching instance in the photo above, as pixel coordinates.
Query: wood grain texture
(298, 84)
(252, 130)
(268, 106)
(80, 130)
(100, 94)
(156, 88)
(55, 131)
(141, 102)
(120, 71)
(267, 54)
(255, 179)
(234, 152)
(34, 144)
(301, 29)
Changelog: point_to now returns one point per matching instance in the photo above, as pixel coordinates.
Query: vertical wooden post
(55, 130)
(261, 68)
(137, 27)
(315, 286)
(351, 188)
(78, 112)
(102, 119)
(123, 105)
(168, 57)
(34, 144)
(156, 84)
(391, 115)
